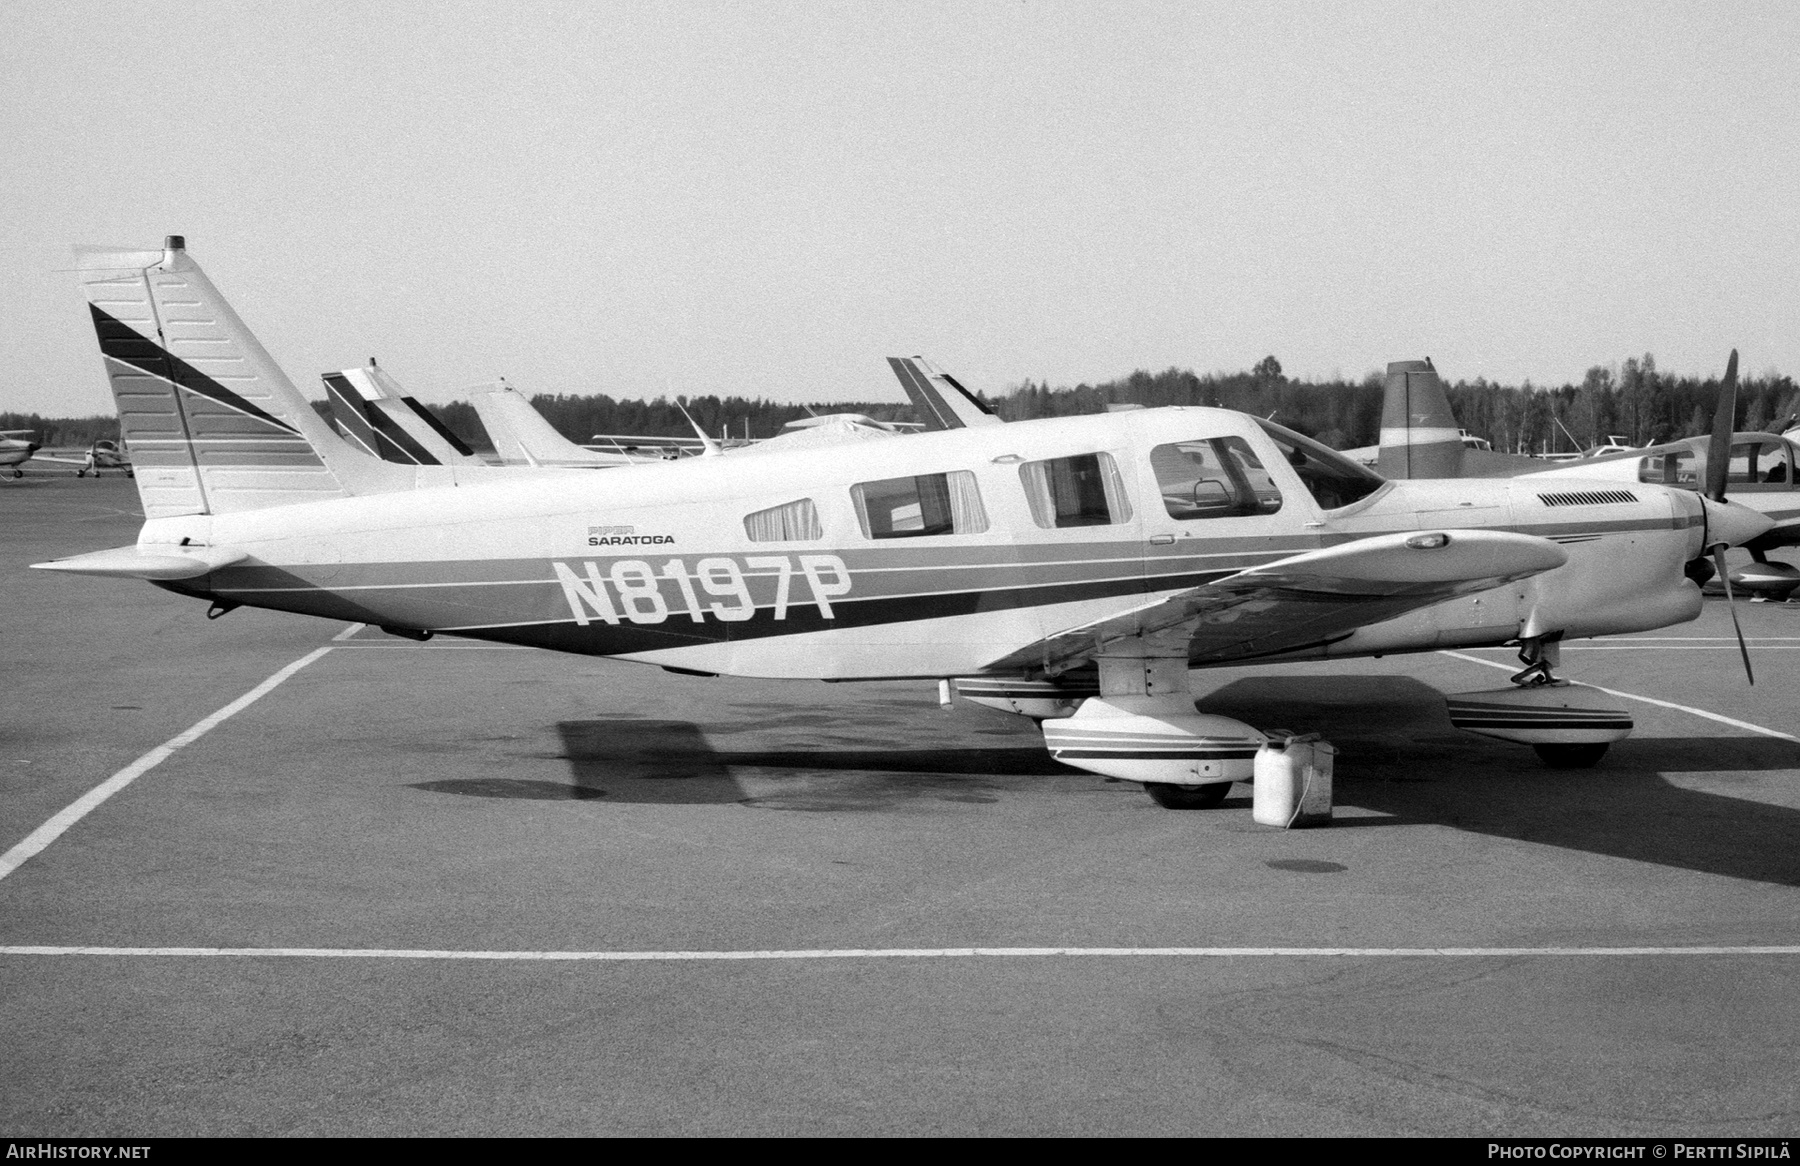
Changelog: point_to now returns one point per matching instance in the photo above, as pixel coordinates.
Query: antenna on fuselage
(709, 447)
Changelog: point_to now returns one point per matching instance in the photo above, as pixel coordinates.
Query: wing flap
(1304, 600)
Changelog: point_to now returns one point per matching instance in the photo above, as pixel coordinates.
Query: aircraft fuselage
(658, 562)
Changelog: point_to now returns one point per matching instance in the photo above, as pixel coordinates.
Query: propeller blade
(1718, 451)
(1731, 603)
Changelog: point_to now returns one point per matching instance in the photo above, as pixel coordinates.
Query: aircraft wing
(138, 562)
(61, 461)
(1298, 602)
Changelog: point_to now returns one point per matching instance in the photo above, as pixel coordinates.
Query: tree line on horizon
(1636, 400)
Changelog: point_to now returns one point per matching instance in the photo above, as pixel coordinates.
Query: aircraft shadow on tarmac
(672, 761)
(1399, 755)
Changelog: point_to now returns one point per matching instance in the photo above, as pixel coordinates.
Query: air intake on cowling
(1588, 498)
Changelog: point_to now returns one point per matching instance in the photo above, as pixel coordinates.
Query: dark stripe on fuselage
(281, 590)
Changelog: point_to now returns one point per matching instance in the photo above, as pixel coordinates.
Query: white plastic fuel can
(1293, 782)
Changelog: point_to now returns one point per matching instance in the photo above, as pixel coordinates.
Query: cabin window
(790, 523)
(1670, 469)
(1332, 479)
(924, 505)
(1217, 477)
(1084, 490)
(1759, 461)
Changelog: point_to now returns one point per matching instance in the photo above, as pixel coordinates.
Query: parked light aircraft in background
(101, 455)
(1076, 565)
(1416, 421)
(15, 451)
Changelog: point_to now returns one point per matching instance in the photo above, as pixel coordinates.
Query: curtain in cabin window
(793, 522)
(1036, 476)
(966, 512)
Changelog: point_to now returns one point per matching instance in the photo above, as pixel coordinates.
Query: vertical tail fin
(521, 435)
(940, 401)
(1419, 434)
(375, 413)
(213, 423)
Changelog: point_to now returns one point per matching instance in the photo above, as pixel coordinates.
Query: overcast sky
(767, 199)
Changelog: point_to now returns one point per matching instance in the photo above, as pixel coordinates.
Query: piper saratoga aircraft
(1072, 569)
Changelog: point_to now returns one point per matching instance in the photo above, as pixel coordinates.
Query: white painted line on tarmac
(1668, 704)
(879, 953)
(53, 829)
(348, 632)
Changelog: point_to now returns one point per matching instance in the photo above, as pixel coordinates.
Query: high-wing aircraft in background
(1417, 441)
(1076, 565)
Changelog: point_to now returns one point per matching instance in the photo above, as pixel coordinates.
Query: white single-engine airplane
(1072, 569)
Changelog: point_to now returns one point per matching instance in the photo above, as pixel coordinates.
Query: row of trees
(63, 432)
(1636, 401)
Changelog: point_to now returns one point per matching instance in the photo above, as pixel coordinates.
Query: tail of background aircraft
(1419, 434)
(522, 436)
(213, 424)
(374, 412)
(940, 401)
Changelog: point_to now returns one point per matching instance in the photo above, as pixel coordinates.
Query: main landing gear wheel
(1571, 756)
(1187, 797)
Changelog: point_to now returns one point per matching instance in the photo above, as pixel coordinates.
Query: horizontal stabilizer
(137, 563)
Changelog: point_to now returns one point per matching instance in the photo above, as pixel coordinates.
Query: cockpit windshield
(1331, 478)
